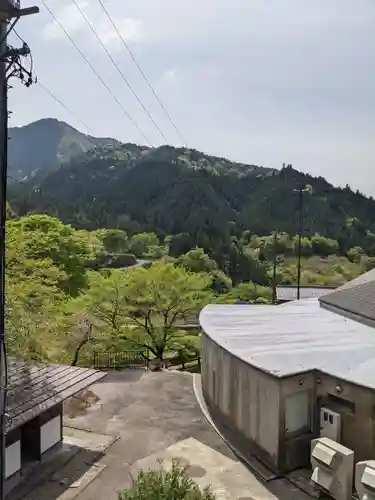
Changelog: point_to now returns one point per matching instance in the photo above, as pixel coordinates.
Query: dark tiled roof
(356, 298)
(33, 389)
(289, 292)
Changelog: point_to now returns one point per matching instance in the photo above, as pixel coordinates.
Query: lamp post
(306, 189)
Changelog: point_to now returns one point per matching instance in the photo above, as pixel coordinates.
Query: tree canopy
(145, 308)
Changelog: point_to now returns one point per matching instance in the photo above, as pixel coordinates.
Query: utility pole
(3, 138)
(10, 12)
(275, 236)
(300, 229)
(306, 189)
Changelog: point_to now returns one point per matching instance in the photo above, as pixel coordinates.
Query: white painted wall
(12, 459)
(50, 434)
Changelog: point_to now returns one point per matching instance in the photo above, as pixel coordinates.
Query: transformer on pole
(10, 66)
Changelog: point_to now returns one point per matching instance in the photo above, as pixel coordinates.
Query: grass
(330, 271)
(175, 484)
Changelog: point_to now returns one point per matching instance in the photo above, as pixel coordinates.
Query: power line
(62, 104)
(119, 70)
(49, 92)
(95, 72)
(142, 72)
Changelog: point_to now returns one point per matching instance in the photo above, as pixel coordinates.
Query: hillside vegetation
(90, 208)
(64, 303)
(181, 191)
(46, 144)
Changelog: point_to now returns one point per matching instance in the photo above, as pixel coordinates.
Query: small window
(297, 412)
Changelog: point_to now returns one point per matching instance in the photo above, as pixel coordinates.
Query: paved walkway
(149, 412)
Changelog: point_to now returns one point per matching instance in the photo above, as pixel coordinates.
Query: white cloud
(262, 81)
(170, 75)
(131, 30)
(70, 18)
(74, 23)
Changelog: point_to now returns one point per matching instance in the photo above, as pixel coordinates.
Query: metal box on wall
(332, 466)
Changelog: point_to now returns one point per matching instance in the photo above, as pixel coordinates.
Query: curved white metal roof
(297, 337)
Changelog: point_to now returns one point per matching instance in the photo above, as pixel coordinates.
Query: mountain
(178, 190)
(45, 145)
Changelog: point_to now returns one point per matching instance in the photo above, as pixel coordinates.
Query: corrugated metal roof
(297, 337)
(290, 292)
(33, 389)
(356, 297)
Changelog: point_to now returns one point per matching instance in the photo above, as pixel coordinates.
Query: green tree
(125, 223)
(144, 307)
(178, 244)
(306, 246)
(141, 244)
(197, 261)
(324, 246)
(221, 283)
(250, 292)
(114, 240)
(355, 254)
(43, 237)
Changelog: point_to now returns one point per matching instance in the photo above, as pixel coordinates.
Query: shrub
(175, 484)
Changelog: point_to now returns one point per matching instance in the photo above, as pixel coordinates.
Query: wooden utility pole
(10, 12)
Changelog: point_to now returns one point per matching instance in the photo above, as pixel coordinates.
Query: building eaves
(35, 388)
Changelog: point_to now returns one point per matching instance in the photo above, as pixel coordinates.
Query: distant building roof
(290, 292)
(355, 299)
(299, 336)
(33, 389)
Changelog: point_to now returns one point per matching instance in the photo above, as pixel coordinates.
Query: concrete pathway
(227, 478)
(151, 414)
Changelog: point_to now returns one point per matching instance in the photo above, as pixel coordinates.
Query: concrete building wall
(356, 406)
(244, 402)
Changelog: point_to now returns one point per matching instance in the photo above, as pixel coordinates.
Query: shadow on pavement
(73, 468)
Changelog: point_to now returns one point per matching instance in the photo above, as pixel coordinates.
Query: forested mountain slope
(175, 190)
(46, 144)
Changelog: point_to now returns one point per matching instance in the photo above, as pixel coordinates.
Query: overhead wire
(95, 72)
(119, 70)
(62, 104)
(142, 72)
(49, 92)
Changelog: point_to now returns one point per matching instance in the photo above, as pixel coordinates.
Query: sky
(256, 81)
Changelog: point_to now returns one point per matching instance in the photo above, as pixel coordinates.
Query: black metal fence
(120, 360)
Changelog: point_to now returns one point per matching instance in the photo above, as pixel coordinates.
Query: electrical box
(330, 424)
(365, 480)
(332, 466)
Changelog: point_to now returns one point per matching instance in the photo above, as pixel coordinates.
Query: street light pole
(300, 229)
(274, 295)
(306, 189)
